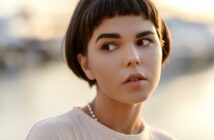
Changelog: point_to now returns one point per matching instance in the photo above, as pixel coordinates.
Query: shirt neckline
(144, 134)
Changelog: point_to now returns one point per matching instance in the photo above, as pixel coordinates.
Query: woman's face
(125, 58)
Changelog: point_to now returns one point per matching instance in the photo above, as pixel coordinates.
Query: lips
(134, 77)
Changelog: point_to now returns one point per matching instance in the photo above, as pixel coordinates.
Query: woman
(119, 46)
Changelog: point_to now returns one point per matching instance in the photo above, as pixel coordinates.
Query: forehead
(124, 25)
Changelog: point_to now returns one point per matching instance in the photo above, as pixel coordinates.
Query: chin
(136, 99)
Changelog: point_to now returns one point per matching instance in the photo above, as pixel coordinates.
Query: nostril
(138, 62)
(133, 62)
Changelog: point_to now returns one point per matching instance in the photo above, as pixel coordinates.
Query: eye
(143, 42)
(109, 46)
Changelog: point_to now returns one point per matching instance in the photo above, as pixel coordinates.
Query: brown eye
(109, 47)
(143, 42)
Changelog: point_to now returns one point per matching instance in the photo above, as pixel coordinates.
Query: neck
(121, 117)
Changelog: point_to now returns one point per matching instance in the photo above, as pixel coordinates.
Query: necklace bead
(92, 112)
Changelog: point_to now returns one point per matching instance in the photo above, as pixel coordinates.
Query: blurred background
(35, 82)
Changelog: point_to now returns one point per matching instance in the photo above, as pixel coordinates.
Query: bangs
(101, 9)
(110, 8)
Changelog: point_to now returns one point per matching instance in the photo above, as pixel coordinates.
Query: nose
(132, 58)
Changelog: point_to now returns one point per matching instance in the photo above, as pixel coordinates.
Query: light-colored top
(77, 125)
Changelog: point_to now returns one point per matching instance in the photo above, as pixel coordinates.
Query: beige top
(77, 125)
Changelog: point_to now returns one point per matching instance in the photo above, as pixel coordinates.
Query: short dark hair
(90, 13)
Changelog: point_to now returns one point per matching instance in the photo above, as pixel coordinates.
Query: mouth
(134, 78)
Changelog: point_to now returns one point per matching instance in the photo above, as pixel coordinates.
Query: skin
(121, 46)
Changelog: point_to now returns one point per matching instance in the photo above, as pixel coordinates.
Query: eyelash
(106, 46)
(140, 41)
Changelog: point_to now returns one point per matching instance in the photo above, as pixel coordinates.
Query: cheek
(158, 59)
(157, 65)
(104, 76)
(156, 56)
(154, 63)
(102, 68)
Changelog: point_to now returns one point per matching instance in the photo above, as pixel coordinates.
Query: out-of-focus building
(192, 47)
(20, 48)
(29, 39)
(191, 40)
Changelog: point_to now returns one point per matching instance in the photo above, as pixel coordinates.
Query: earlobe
(83, 61)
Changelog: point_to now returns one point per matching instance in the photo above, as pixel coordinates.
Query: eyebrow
(108, 35)
(142, 34)
(115, 35)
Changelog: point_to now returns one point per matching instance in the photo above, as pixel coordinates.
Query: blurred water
(183, 105)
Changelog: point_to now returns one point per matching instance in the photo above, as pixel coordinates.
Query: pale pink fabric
(76, 125)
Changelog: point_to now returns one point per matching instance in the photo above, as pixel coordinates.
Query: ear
(83, 61)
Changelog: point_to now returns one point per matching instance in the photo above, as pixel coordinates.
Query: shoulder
(159, 134)
(43, 130)
(55, 128)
